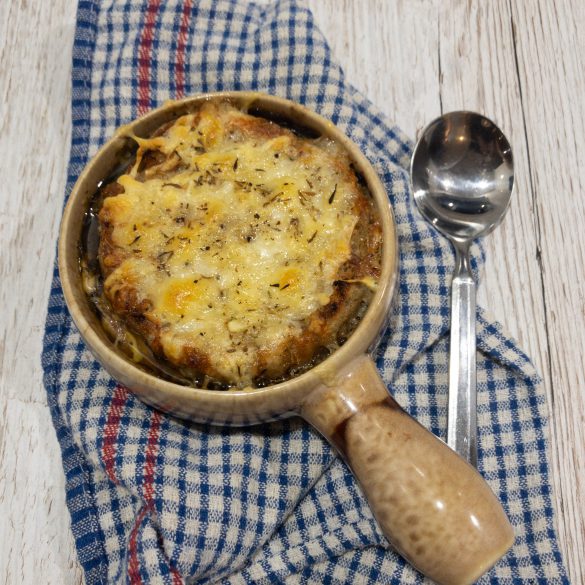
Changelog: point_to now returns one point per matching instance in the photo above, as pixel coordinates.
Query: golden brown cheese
(228, 239)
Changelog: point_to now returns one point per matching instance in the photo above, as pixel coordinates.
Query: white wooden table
(519, 62)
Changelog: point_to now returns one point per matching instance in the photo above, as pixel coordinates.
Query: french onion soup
(231, 251)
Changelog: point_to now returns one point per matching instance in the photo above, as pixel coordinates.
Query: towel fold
(157, 500)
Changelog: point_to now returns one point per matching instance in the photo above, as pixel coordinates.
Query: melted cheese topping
(234, 240)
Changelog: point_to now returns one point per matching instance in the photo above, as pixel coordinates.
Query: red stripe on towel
(181, 44)
(133, 564)
(144, 55)
(150, 459)
(177, 579)
(148, 494)
(111, 429)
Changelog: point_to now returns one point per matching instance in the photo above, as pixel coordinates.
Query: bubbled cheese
(234, 240)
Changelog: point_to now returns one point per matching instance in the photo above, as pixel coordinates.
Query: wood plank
(551, 68)
(37, 544)
(35, 135)
(388, 51)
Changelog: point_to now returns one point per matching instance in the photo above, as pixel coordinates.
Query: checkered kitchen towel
(158, 500)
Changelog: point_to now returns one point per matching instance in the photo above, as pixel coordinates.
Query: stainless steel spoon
(462, 176)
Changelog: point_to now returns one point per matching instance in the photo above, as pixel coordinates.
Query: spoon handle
(462, 401)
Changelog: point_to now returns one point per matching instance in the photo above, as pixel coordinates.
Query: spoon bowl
(462, 175)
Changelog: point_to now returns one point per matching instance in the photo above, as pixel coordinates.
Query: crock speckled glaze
(433, 507)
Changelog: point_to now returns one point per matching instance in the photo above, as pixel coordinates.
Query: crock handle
(433, 507)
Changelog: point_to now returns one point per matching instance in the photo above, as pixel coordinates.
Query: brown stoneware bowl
(434, 508)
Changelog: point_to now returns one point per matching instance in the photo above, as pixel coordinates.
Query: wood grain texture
(35, 54)
(554, 120)
(520, 63)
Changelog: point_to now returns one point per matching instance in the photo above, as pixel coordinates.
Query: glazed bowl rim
(359, 342)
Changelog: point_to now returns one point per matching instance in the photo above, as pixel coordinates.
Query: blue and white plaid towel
(158, 500)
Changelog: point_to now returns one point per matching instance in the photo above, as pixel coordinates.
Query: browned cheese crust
(188, 234)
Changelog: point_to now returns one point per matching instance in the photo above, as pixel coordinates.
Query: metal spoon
(462, 176)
